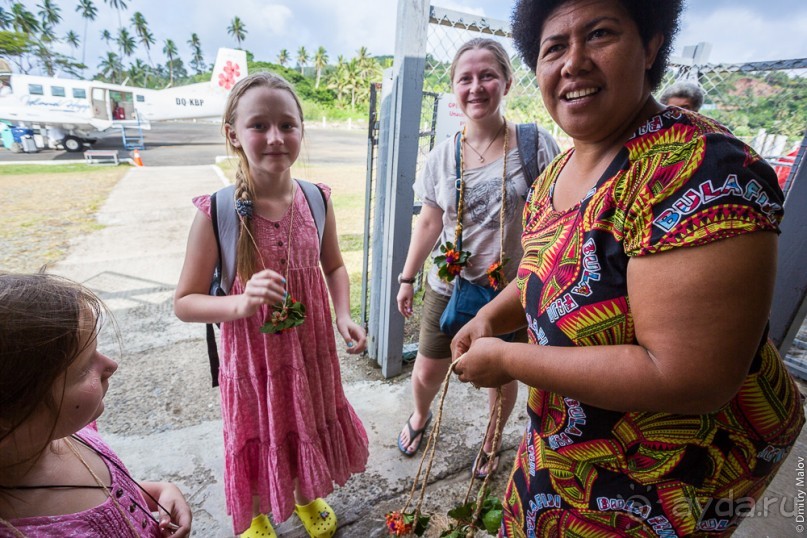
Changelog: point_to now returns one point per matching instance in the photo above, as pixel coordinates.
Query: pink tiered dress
(284, 411)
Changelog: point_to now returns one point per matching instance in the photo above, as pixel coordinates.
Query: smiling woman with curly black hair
(658, 406)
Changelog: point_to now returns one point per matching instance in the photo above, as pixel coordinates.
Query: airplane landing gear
(72, 143)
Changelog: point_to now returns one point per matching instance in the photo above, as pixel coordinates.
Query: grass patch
(44, 208)
(48, 169)
(351, 242)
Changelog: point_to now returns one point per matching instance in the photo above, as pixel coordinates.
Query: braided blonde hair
(247, 255)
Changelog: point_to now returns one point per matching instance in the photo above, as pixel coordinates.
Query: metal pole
(789, 306)
(368, 199)
(402, 153)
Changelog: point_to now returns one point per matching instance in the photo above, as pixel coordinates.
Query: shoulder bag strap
(458, 184)
(528, 140)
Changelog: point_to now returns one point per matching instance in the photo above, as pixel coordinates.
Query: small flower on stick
(496, 277)
(451, 262)
(284, 315)
(406, 523)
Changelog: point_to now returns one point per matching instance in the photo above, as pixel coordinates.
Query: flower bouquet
(406, 523)
(284, 315)
(496, 276)
(451, 262)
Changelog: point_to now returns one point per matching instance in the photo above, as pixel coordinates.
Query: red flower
(396, 524)
(496, 276)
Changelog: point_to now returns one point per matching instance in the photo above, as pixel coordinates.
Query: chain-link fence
(763, 103)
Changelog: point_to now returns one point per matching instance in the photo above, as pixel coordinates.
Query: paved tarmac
(162, 417)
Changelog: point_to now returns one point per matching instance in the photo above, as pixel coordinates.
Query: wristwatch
(402, 280)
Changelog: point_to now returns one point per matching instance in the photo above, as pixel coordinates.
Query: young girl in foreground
(57, 477)
(289, 431)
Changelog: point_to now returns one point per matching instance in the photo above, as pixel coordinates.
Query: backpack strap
(528, 140)
(317, 204)
(219, 202)
(226, 228)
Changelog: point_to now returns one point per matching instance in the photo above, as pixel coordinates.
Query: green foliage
(773, 101)
(490, 518)
(304, 86)
(38, 169)
(13, 43)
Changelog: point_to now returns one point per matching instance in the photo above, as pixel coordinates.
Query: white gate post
(400, 132)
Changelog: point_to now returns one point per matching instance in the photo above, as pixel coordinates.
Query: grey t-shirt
(435, 187)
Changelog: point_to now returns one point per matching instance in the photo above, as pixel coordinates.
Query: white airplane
(71, 109)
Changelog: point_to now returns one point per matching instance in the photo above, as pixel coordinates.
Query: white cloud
(276, 18)
(742, 35)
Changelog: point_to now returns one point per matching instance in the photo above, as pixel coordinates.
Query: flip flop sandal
(261, 528)
(412, 434)
(318, 518)
(484, 465)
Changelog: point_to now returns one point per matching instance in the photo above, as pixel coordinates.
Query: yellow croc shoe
(261, 528)
(318, 518)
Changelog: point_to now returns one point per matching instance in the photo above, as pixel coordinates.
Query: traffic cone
(136, 158)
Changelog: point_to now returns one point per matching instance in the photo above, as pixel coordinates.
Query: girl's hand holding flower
(265, 287)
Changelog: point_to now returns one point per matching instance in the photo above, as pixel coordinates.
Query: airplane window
(57, 91)
(140, 98)
(79, 93)
(35, 89)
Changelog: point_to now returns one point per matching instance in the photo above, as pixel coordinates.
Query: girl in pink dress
(57, 477)
(289, 431)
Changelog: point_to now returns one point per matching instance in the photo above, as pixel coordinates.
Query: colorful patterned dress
(284, 411)
(682, 180)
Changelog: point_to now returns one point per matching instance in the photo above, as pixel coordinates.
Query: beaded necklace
(461, 201)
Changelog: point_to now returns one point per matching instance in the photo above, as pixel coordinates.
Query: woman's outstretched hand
(265, 287)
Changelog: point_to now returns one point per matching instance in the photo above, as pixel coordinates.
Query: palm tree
(125, 42)
(111, 66)
(320, 61)
(106, 36)
(5, 19)
(197, 60)
(117, 5)
(352, 80)
(302, 58)
(139, 72)
(337, 79)
(170, 50)
(22, 20)
(283, 57)
(88, 13)
(144, 35)
(238, 30)
(49, 14)
(72, 39)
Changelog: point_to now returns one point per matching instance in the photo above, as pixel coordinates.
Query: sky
(739, 30)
